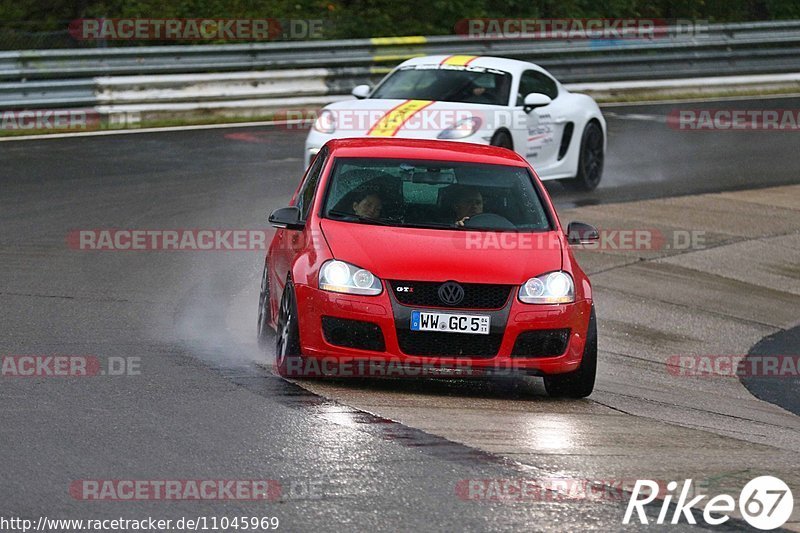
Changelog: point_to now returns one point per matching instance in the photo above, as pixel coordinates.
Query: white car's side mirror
(360, 91)
(534, 100)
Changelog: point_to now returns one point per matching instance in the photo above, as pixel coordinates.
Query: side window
(533, 81)
(306, 196)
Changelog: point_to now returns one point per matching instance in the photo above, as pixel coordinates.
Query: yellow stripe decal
(391, 122)
(414, 39)
(394, 57)
(458, 61)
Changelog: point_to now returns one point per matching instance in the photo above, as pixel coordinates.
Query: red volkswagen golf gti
(431, 254)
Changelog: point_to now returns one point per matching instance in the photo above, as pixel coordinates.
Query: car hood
(422, 119)
(440, 255)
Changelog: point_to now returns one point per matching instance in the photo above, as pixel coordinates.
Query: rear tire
(287, 340)
(590, 160)
(578, 383)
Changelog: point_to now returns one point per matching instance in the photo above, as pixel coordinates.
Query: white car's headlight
(552, 288)
(326, 122)
(338, 276)
(463, 128)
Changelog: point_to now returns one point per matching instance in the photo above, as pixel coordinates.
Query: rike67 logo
(765, 502)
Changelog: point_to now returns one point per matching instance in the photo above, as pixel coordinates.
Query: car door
(545, 124)
(290, 242)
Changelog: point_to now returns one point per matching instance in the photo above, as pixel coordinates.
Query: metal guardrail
(46, 78)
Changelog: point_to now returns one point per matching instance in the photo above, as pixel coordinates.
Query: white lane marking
(636, 116)
(699, 100)
(712, 81)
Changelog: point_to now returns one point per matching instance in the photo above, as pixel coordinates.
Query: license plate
(449, 323)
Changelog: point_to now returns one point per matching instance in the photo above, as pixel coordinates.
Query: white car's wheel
(590, 161)
(503, 140)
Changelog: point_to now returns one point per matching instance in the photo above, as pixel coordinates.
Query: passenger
(367, 203)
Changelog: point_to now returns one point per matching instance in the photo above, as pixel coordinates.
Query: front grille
(433, 343)
(426, 294)
(353, 334)
(541, 343)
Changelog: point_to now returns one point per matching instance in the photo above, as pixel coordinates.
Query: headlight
(552, 288)
(338, 276)
(326, 122)
(463, 128)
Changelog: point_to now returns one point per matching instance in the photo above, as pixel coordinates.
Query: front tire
(264, 331)
(590, 160)
(578, 383)
(287, 342)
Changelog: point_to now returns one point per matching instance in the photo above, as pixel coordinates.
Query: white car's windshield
(474, 85)
(435, 194)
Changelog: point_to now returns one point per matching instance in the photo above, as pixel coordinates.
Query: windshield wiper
(352, 217)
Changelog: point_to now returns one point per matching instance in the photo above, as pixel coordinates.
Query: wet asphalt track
(201, 407)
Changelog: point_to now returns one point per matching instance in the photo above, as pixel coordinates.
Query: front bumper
(386, 313)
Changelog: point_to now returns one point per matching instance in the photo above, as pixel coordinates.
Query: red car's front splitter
(321, 358)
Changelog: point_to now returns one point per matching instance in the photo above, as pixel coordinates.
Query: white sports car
(484, 100)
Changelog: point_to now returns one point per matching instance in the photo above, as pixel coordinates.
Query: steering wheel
(490, 221)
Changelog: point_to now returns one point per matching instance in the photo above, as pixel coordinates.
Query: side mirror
(580, 233)
(534, 100)
(287, 218)
(361, 91)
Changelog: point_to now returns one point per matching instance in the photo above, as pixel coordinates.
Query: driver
(467, 202)
(479, 90)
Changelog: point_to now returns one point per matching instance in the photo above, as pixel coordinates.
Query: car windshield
(435, 194)
(447, 83)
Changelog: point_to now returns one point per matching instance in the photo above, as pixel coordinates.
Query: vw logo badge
(451, 293)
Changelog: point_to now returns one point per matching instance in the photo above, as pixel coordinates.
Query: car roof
(501, 63)
(434, 150)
